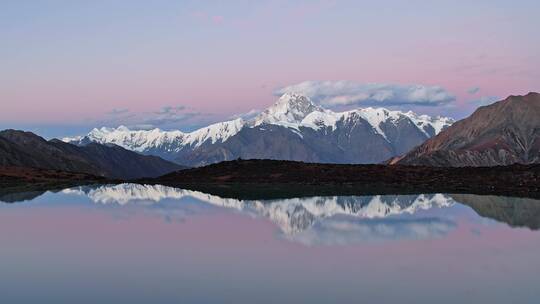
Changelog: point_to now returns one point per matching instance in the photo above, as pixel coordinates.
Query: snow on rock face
(291, 110)
(136, 140)
(218, 132)
(143, 140)
(424, 122)
(376, 116)
(319, 119)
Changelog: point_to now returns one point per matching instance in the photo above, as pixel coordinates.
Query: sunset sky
(68, 66)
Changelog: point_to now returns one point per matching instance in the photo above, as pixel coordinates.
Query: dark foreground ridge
(272, 179)
(249, 179)
(33, 181)
(26, 149)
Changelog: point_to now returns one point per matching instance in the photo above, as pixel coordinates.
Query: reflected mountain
(14, 197)
(515, 211)
(328, 215)
(323, 219)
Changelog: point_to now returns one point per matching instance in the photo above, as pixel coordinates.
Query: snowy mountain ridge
(294, 112)
(292, 215)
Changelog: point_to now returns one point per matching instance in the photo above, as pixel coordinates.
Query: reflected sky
(159, 244)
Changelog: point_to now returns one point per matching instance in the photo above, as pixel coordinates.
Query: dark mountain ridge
(506, 132)
(25, 149)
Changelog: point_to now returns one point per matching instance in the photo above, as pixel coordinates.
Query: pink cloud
(218, 19)
(208, 18)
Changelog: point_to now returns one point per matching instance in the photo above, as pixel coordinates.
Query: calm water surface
(155, 244)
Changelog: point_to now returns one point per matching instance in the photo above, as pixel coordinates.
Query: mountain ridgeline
(293, 128)
(503, 133)
(25, 149)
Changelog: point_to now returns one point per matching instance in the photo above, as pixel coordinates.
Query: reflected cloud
(347, 231)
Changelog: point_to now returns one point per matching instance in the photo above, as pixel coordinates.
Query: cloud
(343, 93)
(170, 110)
(473, 90)
(346, 231)
(218, 19)
(484, 100)
(208, 18)
(168, 116)
(119, 114)
(165, 117)
(115, 112)
(142, 127)
(247, 115)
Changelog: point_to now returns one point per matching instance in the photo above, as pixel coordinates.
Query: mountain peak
(303, 131)
(289, 108)
(293, 97)
(296, 100)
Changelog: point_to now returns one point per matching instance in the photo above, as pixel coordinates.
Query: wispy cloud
(484, 100)
(170, 115)
(311, 8)
(208, 18)
(473, 90)
(247, 115)
(342, 93)
(120, 111)
(165, 117)
(168, 110)
(334, 231)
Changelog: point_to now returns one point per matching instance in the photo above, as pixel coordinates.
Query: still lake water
(155, 244)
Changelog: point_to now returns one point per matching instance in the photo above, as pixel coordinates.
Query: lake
(132, 243)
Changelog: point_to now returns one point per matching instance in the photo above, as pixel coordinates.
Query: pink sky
(72, 64)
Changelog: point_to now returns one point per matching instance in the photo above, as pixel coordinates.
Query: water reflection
(322, 220)
(186, 246)
(515, 211)
(308, 220)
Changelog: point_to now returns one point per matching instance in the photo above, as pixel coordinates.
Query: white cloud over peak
(344, 93)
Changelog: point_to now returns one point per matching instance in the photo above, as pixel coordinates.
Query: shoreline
(252, 179)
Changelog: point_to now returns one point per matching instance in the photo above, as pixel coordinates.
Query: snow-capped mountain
(292, 216)
(293, 128)
(289, 111)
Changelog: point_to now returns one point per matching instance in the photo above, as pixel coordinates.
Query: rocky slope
(292, 129)
(25, 149)
(503, 133)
